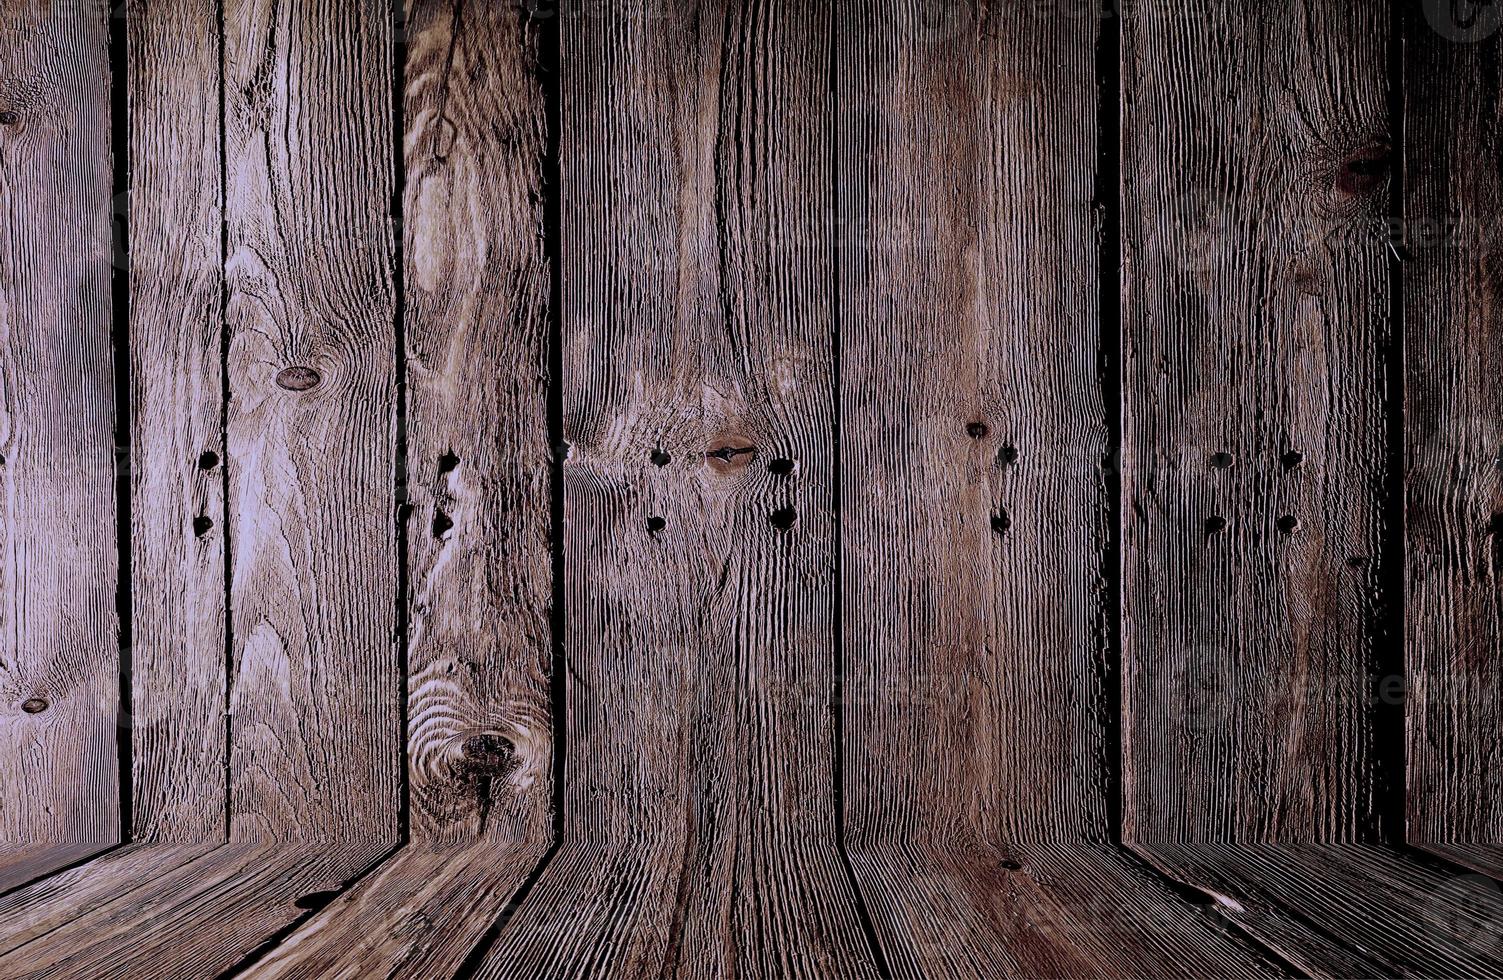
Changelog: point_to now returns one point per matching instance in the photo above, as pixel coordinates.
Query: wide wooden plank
(1255, 314)
(974, 438)
(59, 652)
(477, 339)
(197, 921)
(177, 426)
(315, 721)
(696, 319)
(1453, 427)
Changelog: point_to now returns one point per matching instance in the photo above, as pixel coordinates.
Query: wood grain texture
(1453, 433)
(1351, 910)
(976, 512)
(477, 326)
(59, 652)
(177, 425)
(477, 330)
(1255, 310)
(197, 921)
(315, 722)
(696, 321)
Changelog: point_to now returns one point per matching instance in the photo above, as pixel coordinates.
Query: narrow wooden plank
(1349, 910)
(1453, 428)
(697, 485)
(315, 723)
(59, 653)
(1254, 156)
(477, 328)
(177, 403)
(1484, 858)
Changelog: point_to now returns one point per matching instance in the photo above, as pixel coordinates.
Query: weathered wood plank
(59, 653)
(699, 565)
(177, 424)
(198, 920)
(1348, 910)
(976, 509)
(315, 721)
(1453, 427)
(477, 330)
(1254, 160)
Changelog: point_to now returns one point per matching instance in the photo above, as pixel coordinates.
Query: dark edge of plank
(120, 345)
(73, 865)
(224, 450)
(1389, 729)
(1107, 203)
(837, 486)
(549, 14)
(313, 903)
(400, 462)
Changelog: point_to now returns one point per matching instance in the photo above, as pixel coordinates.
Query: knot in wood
(9, 118)
(731, 455)
(1365, 170)
(299, 377)
(34, 706)
(486, 755)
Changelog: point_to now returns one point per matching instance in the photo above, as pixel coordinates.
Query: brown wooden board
(314, 714)
(1255, 314)
(699, 588)
(177, 424)
(1453, 426)
(59, 653)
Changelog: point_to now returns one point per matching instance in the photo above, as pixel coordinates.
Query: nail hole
(447, 463)
(1215, 525)
(34, 706)
(208, 460)
(1222, 460)
(8, 118)
(1001, 521)
(442, 524)
(1008, 454)
(201, 526)
(314, 901)
(1291, 459)
(1288, 523)
(783, 518)
(660, 458)
(656, 524)
(977, 430)
(780, 467)
(298, 378)
(1012, 865)
(2, 459)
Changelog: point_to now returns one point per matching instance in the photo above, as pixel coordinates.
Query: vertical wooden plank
(477, 283)
(1256, 297)
(1454, 427)
(177, 425)
(59, 655)
(315, 724)
(697, 295)
(977, 519)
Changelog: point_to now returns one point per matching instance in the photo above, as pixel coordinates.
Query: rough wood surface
(1348, 910)
(699, 568)
(177, 425)
(315, 722)
(1453, 433)
(479, 723)
(59, 654)
(1255, 309)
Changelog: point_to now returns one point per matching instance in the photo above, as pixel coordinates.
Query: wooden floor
(750, 488)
